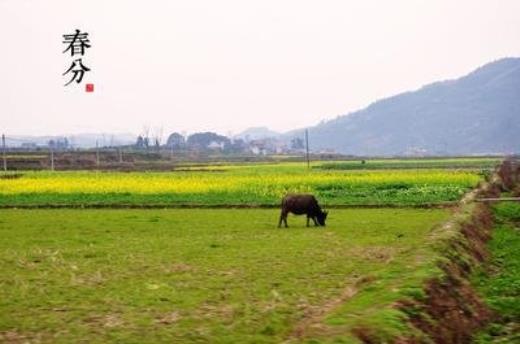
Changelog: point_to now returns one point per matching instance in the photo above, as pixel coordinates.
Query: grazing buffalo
(300, 204)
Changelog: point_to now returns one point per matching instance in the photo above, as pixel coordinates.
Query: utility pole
(120, 155)
(307, 148)
(52, 157)
(3, 153)
(97, 154)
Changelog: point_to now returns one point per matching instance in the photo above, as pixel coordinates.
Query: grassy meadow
(208, 275)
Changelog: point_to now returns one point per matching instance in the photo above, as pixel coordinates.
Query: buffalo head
(321, 217)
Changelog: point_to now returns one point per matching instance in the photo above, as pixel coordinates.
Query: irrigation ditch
(451, 311)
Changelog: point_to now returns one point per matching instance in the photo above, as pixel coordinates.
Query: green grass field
(224, 185)
(428, 163)
(209, 275)
(499, 280)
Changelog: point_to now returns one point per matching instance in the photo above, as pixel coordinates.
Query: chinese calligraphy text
(77, 44)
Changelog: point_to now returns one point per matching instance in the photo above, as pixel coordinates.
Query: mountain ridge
(478, 113)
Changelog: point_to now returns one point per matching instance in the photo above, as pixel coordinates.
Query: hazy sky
(228, 65)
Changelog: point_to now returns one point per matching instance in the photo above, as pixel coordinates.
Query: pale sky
(228, 65)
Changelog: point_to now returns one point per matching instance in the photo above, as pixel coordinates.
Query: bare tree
(145, 132)
(146, 135)
(158, 135)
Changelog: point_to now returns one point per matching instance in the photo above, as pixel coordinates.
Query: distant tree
(238, 146)
(146, 137)
(297, 143)
(203, 141)
(59, 144)
(158, 136)
(141, 142)
(176, 141)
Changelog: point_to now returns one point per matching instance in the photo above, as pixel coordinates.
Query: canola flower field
(227, 185)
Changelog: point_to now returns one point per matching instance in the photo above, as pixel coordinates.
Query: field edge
(450, 310)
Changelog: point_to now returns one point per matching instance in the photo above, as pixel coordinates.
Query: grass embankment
(220, 276)
(255, 185)
(499, 280)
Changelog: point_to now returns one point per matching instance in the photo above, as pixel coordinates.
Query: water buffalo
(300, 204)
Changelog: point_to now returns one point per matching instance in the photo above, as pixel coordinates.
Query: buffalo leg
(283, 217)
(308, 218)
(315, 222)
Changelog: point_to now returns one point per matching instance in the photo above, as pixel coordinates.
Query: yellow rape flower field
(230, 185)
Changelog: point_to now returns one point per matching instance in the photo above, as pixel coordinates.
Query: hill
(475, 114)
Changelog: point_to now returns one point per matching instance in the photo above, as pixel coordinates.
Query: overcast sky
(228, 65)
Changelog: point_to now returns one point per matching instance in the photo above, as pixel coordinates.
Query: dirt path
(312, 321)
